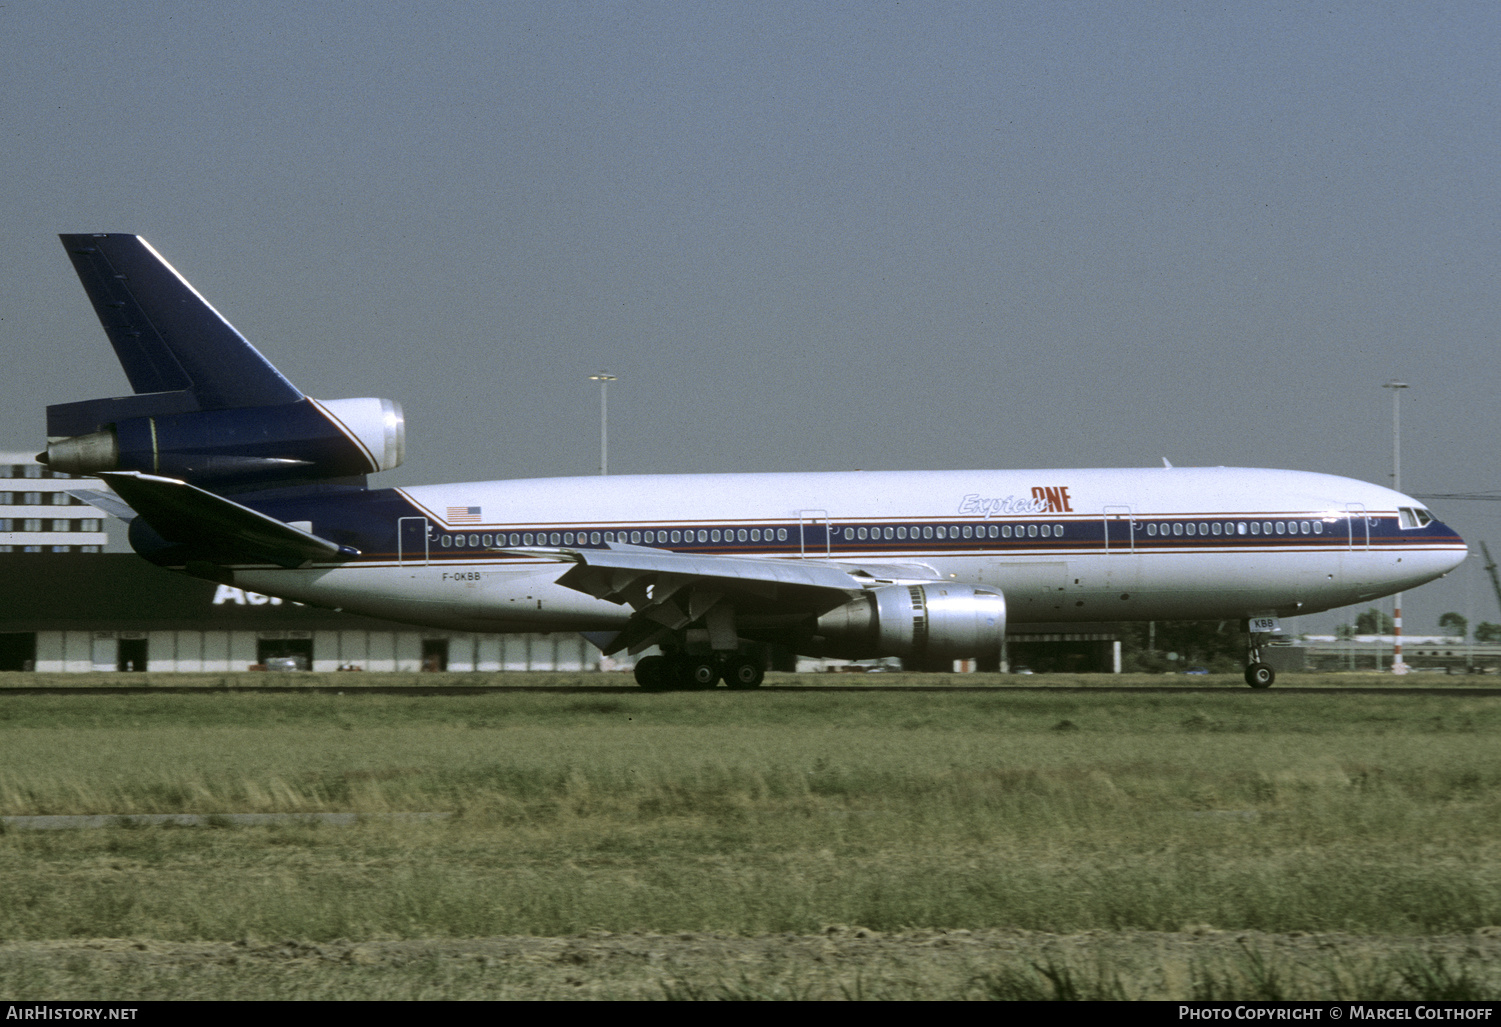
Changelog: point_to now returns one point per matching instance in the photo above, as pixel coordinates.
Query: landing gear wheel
(652, 673)
(1259, 675)
(741, 674)
(697, 673)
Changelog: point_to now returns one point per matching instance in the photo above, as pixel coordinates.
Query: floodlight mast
(1398, 667)
(604, 420)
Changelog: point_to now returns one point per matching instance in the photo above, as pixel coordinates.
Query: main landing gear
(679, 671)
(1258, 674)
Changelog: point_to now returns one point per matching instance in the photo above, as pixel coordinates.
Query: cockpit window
(1414, 517)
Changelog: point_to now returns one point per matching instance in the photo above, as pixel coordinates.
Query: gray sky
(805, 236)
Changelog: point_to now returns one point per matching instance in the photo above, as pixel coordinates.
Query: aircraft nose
(1448, 534)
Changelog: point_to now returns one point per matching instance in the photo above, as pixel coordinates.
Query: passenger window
(487, 540)
(849, 534)
(703, 536)
(862, 534)
(781, 534)
(954, 531)
(447, 541)
(756, 534)
(741, 535)
(635, 537)
(1304, 528)
(554, 539)
(1031, 531)
(609, 536)
(1057, 531)
(1188, 529)
(888, 532)
(568, 538)
(527, 538)
(594, 538)
(1178, 528)
(1151, 529)
(1281, 528)
(1255, 527)
(927, 531)
(969, 531)
(1047, 531)
(940, 531)
(901, 532)
(1215, 527)
(474, 540)
(1240, 528)
(1318, 527)
(1204, 528)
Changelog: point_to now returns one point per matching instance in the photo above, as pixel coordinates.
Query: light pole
(604, 420)
(1398, 667)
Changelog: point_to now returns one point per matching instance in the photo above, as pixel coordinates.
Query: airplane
(224, 470)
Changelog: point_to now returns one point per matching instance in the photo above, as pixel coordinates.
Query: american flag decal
(463, 515)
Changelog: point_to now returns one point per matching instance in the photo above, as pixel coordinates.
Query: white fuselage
(1061, 545)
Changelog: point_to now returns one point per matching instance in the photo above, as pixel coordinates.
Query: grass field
(1158, 844)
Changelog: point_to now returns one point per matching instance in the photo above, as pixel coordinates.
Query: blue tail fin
(172, 344)
(208, 408)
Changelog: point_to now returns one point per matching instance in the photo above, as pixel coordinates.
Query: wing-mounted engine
(248, 446)
(926, 622)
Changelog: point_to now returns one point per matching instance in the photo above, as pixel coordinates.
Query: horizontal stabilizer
(186, 515)
(169, 338)
(106, 501)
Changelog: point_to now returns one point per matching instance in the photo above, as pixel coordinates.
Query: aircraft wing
(187, 515)
(669, 591)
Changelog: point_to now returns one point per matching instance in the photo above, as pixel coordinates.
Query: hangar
(77, 612)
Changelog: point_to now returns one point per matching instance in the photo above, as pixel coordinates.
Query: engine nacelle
(246, 446)
(918, 622)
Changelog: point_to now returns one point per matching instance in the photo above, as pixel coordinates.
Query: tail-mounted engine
(208, 409)
(918, 622)
(239, 447)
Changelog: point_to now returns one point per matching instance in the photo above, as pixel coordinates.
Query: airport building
(38, 516)
(114, 611)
